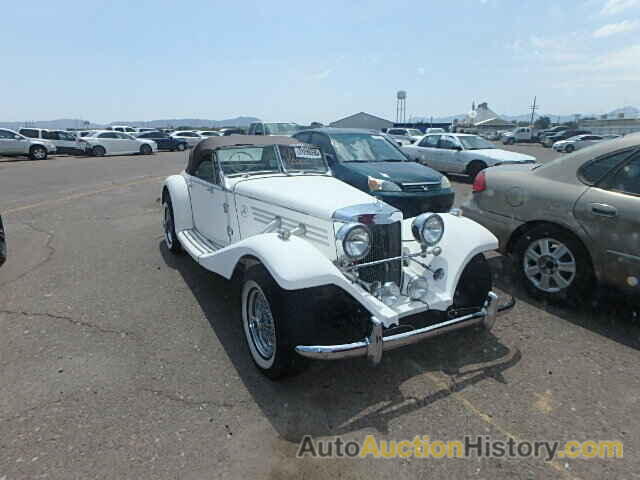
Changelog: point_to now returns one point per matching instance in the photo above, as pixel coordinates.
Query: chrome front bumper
(373, 346)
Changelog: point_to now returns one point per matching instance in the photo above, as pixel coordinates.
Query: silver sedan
(569, 223)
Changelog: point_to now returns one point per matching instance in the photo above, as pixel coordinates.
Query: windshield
(414, 132)
(264, 159)
(281, 128)
(363, 147)
(475, 143)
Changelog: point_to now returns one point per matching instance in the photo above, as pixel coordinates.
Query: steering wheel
(240, 154)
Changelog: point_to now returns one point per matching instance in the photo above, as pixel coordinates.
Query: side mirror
(457, 148)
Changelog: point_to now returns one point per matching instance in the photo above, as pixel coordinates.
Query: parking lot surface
(119, 360)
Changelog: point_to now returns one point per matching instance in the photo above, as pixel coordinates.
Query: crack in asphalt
(73, 321)
(51, 252)
(40, 406)
(191, 403)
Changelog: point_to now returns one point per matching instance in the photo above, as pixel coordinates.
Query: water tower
(401, 106)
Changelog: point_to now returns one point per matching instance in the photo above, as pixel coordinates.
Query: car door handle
(604, 210)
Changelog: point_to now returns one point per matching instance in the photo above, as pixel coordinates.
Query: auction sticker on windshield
(304, 151)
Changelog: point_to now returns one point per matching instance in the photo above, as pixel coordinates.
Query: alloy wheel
(549, 265)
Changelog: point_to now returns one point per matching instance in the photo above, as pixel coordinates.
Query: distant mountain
(65, 123)
(191, 122)
(628, 111)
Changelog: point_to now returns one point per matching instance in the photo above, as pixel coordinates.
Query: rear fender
(177, 189)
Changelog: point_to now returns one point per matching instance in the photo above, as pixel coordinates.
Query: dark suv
(370, 162)
(164, 141)
(549, 140)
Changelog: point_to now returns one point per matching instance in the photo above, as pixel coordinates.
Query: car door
(209, 203)
(427, 151)
(608, 211)
(127, 144)
(448, 156)
(11, 143)
(109, 140)
(162, 139)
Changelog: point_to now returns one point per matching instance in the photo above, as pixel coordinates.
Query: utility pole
(533, 108)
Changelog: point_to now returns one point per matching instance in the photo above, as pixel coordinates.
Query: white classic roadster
(326, 271)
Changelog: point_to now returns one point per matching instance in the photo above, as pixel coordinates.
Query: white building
(362, 120)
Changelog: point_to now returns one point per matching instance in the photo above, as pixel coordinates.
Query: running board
(196, 244)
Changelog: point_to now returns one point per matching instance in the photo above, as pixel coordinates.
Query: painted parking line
(47, 203)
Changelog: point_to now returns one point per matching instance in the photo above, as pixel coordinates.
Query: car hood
(501, 155)
(316, 195)
(399, 172)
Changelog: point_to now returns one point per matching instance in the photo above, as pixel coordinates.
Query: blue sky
(303, 61)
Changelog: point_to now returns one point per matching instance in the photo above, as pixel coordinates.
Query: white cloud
(625, 26)
(613, 7)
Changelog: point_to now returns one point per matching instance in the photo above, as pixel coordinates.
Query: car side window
(50, 136)
(258, 130)
(108, 135)
(447, 142)
(430, 141)
(7, 134)
(205, 170)
(627, 179)
(596, 170)
(29, 132)
(322, 141)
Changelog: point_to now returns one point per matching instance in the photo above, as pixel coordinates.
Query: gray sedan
(569, 222)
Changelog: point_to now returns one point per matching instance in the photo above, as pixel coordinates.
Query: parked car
(434, 130)
(192, 138)
(521, 135)
(164, 141)
(145, 129)
(109, 142)
(549, 140)
(567, 222)
(551, 131)
(461, 153)
(123, 129)
(577, 142)
(3, 243)
(14, 144)
(368, 161)
(233, 131)
(325, 271)
(274, 128)
(65, 142)
(208, 133)
(405, 136)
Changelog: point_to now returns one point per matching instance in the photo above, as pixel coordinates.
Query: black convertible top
(204, 148)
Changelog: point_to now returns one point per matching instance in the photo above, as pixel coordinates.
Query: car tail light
(480, 183)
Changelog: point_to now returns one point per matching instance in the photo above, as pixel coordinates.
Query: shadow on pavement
(606, 313)
(332, 398)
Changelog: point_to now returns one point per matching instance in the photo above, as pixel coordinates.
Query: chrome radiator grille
(386, 242)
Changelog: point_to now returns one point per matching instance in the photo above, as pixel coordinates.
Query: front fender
(178, 190)
(463, 239)
(294, 263)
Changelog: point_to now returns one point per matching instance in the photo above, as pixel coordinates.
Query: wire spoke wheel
(260, 323)
(549, 265)
(167, 223)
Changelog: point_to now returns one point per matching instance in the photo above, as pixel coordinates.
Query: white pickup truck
(521, 135)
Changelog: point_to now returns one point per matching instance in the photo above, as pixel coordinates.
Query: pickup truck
(521, 135)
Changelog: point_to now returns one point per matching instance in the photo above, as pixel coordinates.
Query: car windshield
(364, 147)
(281, 128)
(264, 159)
(475, 143)
(415, 132)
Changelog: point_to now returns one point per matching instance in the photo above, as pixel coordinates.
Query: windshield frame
(282, 166)
(333, 137)
(462, 138)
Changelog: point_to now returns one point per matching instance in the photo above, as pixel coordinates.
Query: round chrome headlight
(355, 240)
(428, 228)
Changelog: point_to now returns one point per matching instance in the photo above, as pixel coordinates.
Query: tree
(542, 123)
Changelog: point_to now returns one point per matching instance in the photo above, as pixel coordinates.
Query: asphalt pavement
(119, 360)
